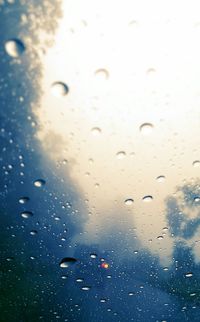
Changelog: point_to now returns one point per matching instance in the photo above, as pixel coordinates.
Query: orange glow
(105, 265)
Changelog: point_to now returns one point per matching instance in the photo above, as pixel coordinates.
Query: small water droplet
(131, 293)
(86, 288)
(160, 237)
(79, 280)
(93, 255)
(39, 183)
(103, 300)
(196, 163)
(188, 275)
(129, 202)
(121, 155)
(196, 199)
(64, 277)
(26, 214)
(59, 89)
(33, 232)
(67, 262)
(192, 294)
(146, 128)
(102, 73)
(23, 200)
(147, 198)
(161, 179)
(165, 269)
(96, 131)
(151, 71)
(14, 47)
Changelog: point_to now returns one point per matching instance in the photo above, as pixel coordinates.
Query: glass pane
(100, 161)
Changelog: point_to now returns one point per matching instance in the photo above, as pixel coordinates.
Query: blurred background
(100, 161)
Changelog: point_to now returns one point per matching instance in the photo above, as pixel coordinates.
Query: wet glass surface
(100, 161)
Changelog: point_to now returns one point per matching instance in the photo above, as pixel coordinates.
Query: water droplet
(26, 214)
(14, 47)
(79, 280)
(39, 183)
(121, 155)
(64, 277)
(59, 89)
(151, 71)
(102, 73)
(160, 237)
(67, 262)
(161, 179)
(33, 232)
(146, 128)
(93, 255)
(96, 131)
(131, 293)
(147, 198)
(23, 200)
(188, 275)
(103, 300)
(196, 199)
(196, 163)
(128, 202)
(86, 288)
(192, 294)
(165, 269)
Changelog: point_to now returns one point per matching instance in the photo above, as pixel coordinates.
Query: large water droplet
(59, 89)
(26, 214)
(14, 47)
(147, 198)
(146, 128)
(39, 183)
(67, 262)
(128, 202)
(23, 200)
(196, 163)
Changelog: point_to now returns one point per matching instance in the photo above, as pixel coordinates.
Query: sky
(100, 163)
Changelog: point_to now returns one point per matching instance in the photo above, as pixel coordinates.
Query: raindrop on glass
(102, 73)
(146, 128)
(160, 237)
(121, 155)
(147, 198)
(188, 275)
(39, 183)
(86, 288)
(67, 262)
(23, 200)
(26, 214)
(196, 163)
(33, 232)
(59, 89)
(161, 179)
(14, 47)
(79, 280)
(93, 255)
(64, 277)
(128, 202)
(96, 131)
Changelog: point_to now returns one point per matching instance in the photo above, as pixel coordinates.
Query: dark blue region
(33, 286)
